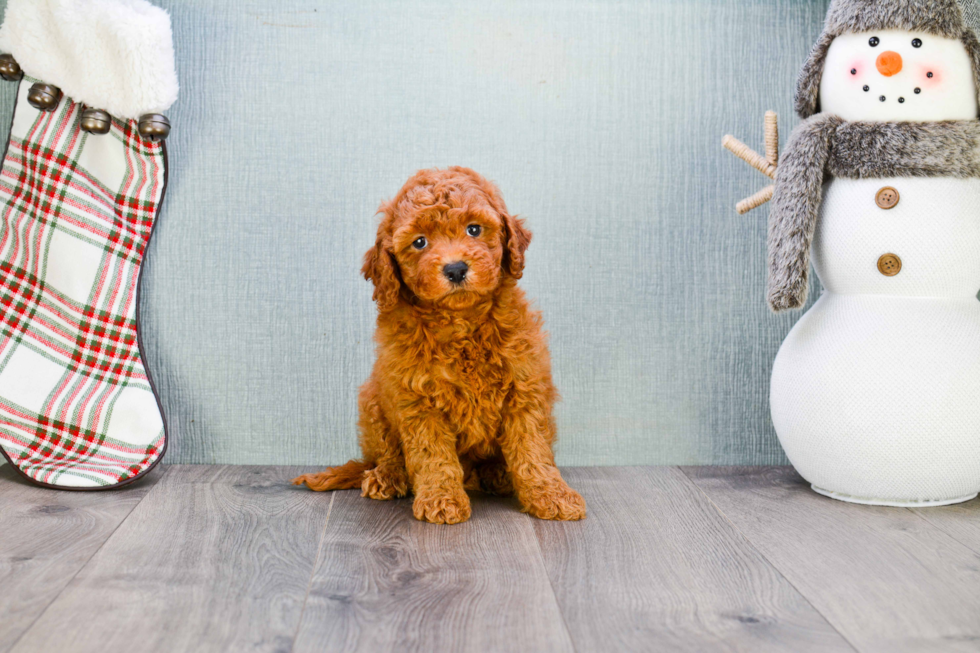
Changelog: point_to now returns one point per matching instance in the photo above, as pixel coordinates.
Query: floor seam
(316, 564)
(164, 469)
(776, 569)
(551, 584)
(943, 531)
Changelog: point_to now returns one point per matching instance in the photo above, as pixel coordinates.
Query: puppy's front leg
(528, 432)
(433, 467)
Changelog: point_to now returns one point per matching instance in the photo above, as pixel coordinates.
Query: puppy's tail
(345, 477)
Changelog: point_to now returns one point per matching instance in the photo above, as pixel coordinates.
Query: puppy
(461, 394)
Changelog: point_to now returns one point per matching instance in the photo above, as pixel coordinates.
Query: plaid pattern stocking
(77, 407)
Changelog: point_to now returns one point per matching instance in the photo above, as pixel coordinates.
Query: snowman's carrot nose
(889, 63)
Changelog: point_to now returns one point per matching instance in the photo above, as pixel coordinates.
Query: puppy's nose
(889, 63)
(455, 272)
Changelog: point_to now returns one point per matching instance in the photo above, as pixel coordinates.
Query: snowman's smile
(901, 98)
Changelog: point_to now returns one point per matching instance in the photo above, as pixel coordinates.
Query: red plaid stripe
(100, 344)
(49, 198)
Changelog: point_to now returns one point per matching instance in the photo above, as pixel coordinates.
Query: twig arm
(750, 156)
(772, 138)
(755, 201)
(766, 166)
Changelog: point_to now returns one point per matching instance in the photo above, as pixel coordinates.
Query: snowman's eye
(916, 43)
(874, 41)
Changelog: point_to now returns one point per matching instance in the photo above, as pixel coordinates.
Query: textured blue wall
(601, 121)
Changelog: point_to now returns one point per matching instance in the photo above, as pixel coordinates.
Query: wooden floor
(200, 558)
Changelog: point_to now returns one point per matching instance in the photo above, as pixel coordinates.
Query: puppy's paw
(557, 501)
(446, 507)
(383, 483)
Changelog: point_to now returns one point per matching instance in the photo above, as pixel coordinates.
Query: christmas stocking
(82, 180)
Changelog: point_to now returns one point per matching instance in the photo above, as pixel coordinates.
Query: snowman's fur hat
(940, 17)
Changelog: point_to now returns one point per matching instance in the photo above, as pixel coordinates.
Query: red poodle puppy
(461, 394)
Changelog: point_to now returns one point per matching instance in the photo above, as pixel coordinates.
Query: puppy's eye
(916, 43)
(474, 230)
(420, 243)
(874, 41)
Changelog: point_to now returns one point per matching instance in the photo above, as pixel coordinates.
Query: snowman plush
(875, 392)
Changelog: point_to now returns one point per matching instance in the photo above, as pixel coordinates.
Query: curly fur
(940, 17)
(461, 393)
(826, 145)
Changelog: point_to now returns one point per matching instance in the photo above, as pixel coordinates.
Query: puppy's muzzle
(456, 272)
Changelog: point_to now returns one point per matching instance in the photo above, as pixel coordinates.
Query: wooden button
(889, 265)
(887, 198)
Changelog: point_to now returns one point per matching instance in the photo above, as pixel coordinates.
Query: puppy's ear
(380, 268)
(516, 239)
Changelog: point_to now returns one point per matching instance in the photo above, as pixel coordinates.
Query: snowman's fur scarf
(872, 150)
(827, 145)
(793, 213)
(114, 55)
(940, 17)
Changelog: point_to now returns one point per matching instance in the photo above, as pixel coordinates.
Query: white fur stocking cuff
(114, 55)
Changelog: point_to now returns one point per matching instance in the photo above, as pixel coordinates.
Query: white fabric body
(875, 392)
(934, 230)
(114, 55)
(950, 94)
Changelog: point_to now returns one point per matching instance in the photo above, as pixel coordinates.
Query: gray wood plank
(961, 521)
(386, 582)
(46, 537)
(216, 559)
(885, 578)
(656, 567)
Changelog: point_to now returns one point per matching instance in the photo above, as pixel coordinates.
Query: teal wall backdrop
(600, 120)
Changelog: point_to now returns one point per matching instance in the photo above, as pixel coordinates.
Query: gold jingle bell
(9, 68)
(96, 121)
(44, 97)
(154, 126)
